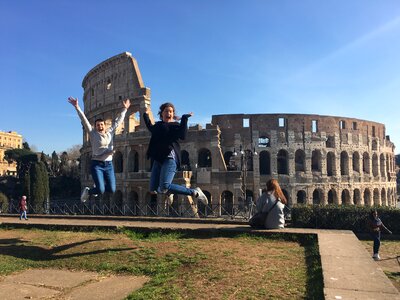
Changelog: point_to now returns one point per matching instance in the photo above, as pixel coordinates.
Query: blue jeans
(377, 240)
(103, 177)
(161, 178)
(23, 215)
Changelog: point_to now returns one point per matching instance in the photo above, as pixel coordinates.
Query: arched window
(344, 163)
(367, 197)
(332, 197)
(227, 203)
(205, 210)
(301, 197)
(356, 162)
(317, 197)
(357, 197)
(376, 197)
(204, 158)
(265, 163)
(133, 203)
(383, 197)
(382, 165)
(330, 163)
(316, 161)
(346, 197)
(366, 168)
(300, 159)
(185, 161)
(118, 162)
(375, 167)
(118, 203)
(133, 161)
(282, 160)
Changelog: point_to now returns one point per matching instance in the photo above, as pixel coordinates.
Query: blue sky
(338, 58)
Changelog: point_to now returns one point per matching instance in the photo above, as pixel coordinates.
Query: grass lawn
(390, 262)
(180, 266)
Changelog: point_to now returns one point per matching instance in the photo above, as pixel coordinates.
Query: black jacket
(164, 138)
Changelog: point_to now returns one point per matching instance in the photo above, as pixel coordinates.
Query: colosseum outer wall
(317, 159)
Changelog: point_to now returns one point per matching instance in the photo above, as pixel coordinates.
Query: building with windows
(317, 159)
(9, 140)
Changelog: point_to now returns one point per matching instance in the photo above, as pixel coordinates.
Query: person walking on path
(101, 140)
(164, 151)
(272, 203)
(375, 226)
(23, 207)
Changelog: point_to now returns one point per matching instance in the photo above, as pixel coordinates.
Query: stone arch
(265, 163)
(133, 161)
(300, 160)
(118, 162)
(375, 171)
(301, 197)
(357, 197)
(387, 163)
(118, 203)
(382, 165)
(374, 145)
(151, 204)
(356, 162)
(366, 168)
(283, 163)
(205, 210)
(376, 197)
(330, 163)
(185, 160)
(332, 196)
(133, 203)
(367, 197)
(344, 163)
(318, 197)
(346, 199)
(316, 164)
(204, 158)
(227, 203)
(383, 197)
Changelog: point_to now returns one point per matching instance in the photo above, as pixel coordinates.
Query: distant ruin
(317, 159)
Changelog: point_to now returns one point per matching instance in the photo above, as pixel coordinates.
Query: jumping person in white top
(101, 139)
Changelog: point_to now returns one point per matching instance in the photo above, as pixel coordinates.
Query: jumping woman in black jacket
(164, 151)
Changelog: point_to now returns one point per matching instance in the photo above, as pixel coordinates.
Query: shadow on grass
(22, 249)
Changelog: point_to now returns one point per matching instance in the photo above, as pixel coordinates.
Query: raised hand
(73, 101)
(126, 103)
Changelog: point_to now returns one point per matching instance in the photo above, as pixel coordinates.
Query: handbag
(258, 220)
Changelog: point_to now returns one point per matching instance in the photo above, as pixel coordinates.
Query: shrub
(342, 217)
(3, 203)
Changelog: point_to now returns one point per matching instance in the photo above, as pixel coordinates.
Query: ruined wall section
(338, 137)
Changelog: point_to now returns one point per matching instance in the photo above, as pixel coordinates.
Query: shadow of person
(20, 248)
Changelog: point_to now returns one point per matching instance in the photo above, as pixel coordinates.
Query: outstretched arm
(126, 103)
(85, 122)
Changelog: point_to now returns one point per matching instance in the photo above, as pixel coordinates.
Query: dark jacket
(164, 138)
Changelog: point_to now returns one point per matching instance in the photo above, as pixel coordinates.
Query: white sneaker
(376, 256)
(201, 196)
(169, 199)
(85, 194)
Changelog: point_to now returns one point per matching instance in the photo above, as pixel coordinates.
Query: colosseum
(317, 159)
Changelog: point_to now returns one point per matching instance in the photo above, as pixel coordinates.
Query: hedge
(342, 217)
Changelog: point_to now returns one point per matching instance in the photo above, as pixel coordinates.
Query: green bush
(342, 217)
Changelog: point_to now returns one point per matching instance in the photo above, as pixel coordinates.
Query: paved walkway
(348, 269)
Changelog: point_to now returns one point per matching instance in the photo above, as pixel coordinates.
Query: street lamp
(245, 155)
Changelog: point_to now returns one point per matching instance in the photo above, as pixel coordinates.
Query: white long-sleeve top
(102, 143)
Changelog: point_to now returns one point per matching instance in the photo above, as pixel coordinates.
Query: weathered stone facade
(317, 159)
(9, 140)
